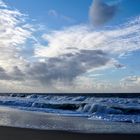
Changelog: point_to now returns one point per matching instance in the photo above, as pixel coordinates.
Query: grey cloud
(63, 68)
(119, 66)
(2, 70)
(3, 74)
(16, 74)
(67, 67)
(100, 12)
(131, 79)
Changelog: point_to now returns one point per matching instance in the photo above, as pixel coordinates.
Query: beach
(11, 133)
(24, 124)
(46, 121)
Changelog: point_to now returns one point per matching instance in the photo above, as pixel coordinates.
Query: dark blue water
(94, 107)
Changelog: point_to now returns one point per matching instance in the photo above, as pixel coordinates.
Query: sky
(74, 46)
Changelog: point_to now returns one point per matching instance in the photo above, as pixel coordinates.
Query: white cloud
(13, 34)
(59, 16)
(69, 55)
(130, 83)
(2, 4)
(117, 41)
(65, 46)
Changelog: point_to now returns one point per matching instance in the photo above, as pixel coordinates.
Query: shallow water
(111, 109)
(51, 121)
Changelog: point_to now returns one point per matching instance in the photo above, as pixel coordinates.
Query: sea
(86, 113)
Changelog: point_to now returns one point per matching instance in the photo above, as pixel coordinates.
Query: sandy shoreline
(11, 121)
(11, 133)
(46, 121)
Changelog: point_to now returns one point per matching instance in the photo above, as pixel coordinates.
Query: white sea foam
(101, 108)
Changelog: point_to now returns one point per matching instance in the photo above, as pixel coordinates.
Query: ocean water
(104, 111)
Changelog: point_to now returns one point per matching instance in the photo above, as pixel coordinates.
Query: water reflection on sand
(48, 121)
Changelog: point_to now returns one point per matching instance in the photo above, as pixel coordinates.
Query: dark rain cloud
(100, 12)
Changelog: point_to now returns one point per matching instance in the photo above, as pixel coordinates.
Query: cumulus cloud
(15, 74)
(69, 54)
(115, 41)
(67, 67)
(74, 51)
(131, 80)
(130, 83)
(101, 12)
(3, 74)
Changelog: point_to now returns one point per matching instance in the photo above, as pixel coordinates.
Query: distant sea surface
(100, 113)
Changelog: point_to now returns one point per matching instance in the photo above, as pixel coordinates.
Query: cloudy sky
(69, 46)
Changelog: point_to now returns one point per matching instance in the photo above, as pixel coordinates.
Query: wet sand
(17, 125)
(46, 121)
(9, 133)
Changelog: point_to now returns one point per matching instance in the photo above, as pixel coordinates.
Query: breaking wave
(120, 109)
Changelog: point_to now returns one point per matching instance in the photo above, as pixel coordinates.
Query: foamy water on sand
(89, 114)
